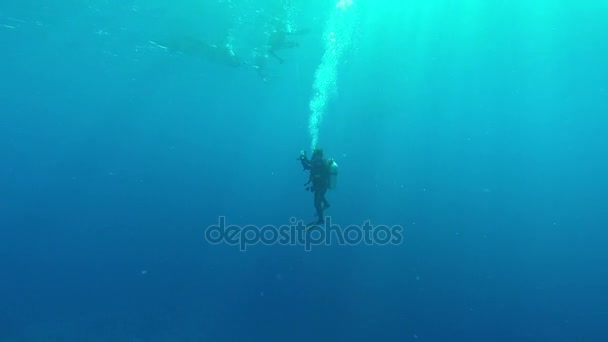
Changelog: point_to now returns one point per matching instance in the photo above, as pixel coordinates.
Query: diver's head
(317, 152)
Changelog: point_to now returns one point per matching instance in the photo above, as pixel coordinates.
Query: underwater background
(477, 126)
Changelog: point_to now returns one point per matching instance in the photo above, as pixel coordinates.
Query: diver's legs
(319, 200)
(325, 203)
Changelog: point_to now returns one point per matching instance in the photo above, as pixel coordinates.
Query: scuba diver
(216, 53)
(278, 38)
(323, 174)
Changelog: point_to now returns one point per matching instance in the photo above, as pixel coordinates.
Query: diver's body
(278, 38)
(277, 41)
(319, 180)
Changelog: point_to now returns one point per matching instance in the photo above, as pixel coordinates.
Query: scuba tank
(333, 174)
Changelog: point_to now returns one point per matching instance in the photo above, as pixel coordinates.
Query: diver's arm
(273, 54)
(299, 32)
(306, 164)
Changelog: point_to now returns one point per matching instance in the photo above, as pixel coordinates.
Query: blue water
(477, 126)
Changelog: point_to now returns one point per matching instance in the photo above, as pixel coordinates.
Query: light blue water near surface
(479, 127)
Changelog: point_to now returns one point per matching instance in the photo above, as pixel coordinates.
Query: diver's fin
(310, 226)
(316, 223)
